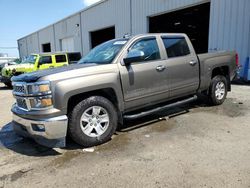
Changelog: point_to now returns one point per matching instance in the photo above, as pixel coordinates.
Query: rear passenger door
(61, 60)
(182, 66)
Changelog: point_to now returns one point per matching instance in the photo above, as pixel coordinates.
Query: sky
(22, 17)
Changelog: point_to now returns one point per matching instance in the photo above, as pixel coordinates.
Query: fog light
(41, 102)
(46, 102)
(38, 127)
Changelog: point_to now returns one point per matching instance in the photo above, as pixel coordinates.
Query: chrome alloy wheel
(220, 90)
(94, 121)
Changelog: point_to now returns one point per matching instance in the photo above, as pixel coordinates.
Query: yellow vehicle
(36, 62)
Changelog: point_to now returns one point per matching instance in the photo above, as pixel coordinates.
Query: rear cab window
(61, 58)
(74, 57)
(176, 46)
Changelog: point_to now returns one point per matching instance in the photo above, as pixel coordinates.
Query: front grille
(18, 89)
(21, 103)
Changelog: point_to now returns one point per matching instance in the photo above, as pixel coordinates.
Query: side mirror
(134, 56)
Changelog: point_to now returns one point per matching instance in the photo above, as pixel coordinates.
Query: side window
(45, 60)
(176, 47)
(150, 48)
(60, 59)
(74, 57)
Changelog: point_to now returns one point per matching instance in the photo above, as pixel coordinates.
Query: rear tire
(218, 90)
(93, 121)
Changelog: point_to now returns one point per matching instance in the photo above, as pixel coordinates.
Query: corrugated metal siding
(68, 28)
(32, 44)
(47, 36)
(142, 9)
(110, 13)
(230, 26)
(22, 46)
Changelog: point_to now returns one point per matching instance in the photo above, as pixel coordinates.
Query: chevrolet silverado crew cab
(122, 78)
(36, 62)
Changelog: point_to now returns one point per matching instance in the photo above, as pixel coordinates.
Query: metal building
(211, 24)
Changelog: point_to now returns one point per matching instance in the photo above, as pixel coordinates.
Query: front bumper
(49, 132)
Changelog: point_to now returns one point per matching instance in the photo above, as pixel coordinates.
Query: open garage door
(46, 47)
(193, 21)
(103, 35)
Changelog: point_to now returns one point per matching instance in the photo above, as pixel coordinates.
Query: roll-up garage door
(67, 44)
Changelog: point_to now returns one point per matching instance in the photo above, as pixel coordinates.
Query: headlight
(41, 102)
(39, 88)
(34, 96)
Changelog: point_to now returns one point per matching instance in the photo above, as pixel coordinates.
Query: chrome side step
(158, 109)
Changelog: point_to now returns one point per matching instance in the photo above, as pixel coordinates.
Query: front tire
(8, 85)
(218, 90)
(93, 121)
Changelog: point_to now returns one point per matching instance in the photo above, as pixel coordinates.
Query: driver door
(145, 82)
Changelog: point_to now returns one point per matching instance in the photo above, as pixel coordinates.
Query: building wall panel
(109, 13)
(22, 46)
(230, 26)
(32, 43)
(47, 36)
(69, 27)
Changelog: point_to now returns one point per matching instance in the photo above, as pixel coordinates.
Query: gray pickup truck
(122, 78)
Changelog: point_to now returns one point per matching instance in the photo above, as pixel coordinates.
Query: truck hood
(34, 76)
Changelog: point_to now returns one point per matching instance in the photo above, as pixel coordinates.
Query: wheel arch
(108, 93)
(223, 71)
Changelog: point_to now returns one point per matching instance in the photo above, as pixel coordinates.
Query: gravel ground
(194, 146)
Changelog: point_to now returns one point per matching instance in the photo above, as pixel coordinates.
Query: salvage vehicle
(119, 79)
(36, 62)
(7, 64)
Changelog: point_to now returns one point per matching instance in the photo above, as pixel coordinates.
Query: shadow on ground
(10, 140)
(241, 82)
(130, 125)
(5, 88)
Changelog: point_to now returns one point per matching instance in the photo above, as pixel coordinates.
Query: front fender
(65, 89)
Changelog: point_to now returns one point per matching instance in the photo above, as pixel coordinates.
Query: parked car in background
(6, 64)
(13, 62)
(36, 62)
(117, 80)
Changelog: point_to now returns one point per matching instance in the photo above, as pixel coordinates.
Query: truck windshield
(30, 59)
(104, 53)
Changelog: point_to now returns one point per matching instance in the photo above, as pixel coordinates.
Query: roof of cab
(55, 53)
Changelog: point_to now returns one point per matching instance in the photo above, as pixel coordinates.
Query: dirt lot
(199, 146)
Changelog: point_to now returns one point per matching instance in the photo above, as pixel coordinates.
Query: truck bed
(208, 62)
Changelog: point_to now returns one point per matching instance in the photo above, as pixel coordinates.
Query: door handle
(160, 68)
(193, 63)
